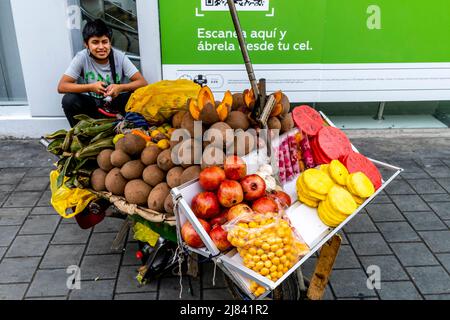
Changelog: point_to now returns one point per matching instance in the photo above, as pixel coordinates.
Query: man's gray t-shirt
(86, 68)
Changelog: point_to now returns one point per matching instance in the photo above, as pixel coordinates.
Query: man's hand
(99, 88)
(113, 90)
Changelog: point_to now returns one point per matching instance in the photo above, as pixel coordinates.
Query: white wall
(45, 50)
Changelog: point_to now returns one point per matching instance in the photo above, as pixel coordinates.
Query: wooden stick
(323, 269)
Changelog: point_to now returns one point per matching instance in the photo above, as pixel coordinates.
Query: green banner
(308, 31)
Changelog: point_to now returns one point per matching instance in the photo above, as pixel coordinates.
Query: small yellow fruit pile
(334, 191)
(313, 186)
(267, 245)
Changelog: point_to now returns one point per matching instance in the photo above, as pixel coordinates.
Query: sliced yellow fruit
(317, 181)
(308, 193)
(323, 216)
(338, 172)
(308, 202)
(361, 184)
(341, 200)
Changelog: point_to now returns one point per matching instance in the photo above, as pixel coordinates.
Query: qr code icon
(241, 5)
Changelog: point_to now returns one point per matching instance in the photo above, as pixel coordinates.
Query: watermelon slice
(319, 156)
(333, 143)
(356, 162)
(307, 119)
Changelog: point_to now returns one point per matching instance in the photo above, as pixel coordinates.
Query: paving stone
(40, 224)
(49, 283)
(438, 197)
(444, 258)
(399, 290)
(425, 220)
(43, 211)
(344, 237)
(430, 280)
(399, 187)
(2, 252)
(109, 225)
(381, 199)
(94, 290)
(438, 171)
(7, 234)
(22, 199)
(207, 276)
(13, 291)
(9, 269)
(169, 289)
(33, 184)
(100, 243)
(136, 296)
(100, 266)
(384, 212)
(442, 209)
(308, 267)
(389, 266)
(409, 203)
(397, 232)
(346, 258)
(414, 254)
(13, 216)
(62, 256)
(29, 246)
(127, 282)
(368, 244)
(438, 241)
(360, 223)
(129, 255)
(447, 222)
(350, 283)
(426, 186)
(11, 177)
(44, 201)
(47, 298)
(328, 295)
(415, 174)
(217, 294)
(3, 197)
(70, 234)
(428, 162)
(40, 172)
(437, 297)
(6, 188)
(445, 183)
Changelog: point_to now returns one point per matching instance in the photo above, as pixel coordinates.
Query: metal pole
(242, 44)
(380, 111)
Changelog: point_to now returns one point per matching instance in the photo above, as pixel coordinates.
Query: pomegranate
(238, 210)
(265, 205)
(235, 168)
(219, 237)
(211, 178)
(205, 205)
(221, 219)
(281, 197)
(230, 193)
(191, 237)
(253, 186)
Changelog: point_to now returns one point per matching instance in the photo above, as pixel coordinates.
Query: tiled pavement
(405, 232)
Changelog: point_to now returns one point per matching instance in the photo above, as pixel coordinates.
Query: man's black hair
(96, 28)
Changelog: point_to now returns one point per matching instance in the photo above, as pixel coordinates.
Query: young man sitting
(104, 73)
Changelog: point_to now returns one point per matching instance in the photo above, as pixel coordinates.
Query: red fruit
(307, 119)
(282, 197)
(230, 193)
(253, 186)
(219, 237)
(238, 210)
(220, 219)
(265, 205)
(191, 237)
(211, 178)
(235, 168)
(205, 205)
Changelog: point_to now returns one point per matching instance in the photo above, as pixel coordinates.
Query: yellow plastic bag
(144, 234)
(65, 199)
(157, 102)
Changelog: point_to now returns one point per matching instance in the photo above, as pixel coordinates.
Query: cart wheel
(288, 290)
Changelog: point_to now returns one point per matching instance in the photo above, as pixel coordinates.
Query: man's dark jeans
(77, 103)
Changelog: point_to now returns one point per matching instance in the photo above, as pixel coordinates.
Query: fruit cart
(304, 220)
